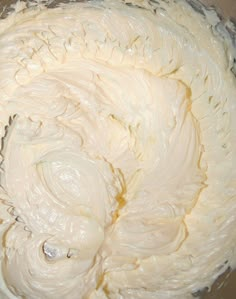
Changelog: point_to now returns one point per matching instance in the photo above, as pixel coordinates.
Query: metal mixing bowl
(225, 286)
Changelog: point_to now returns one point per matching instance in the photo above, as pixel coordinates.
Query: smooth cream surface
(118, 175)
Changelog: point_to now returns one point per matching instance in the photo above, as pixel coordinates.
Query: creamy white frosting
(119, 142)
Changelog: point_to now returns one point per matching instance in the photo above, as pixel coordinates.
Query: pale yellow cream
(119, 143)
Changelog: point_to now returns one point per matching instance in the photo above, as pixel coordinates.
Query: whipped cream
(118, 152)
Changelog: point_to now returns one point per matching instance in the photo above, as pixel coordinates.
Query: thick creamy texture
(119, 142)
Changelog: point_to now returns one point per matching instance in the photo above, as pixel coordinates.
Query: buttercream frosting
(118, 151)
